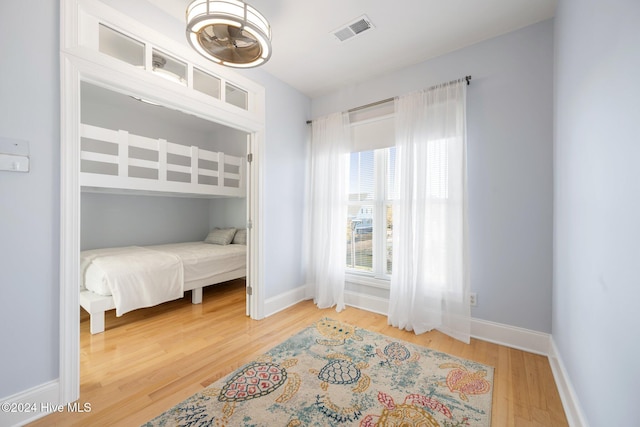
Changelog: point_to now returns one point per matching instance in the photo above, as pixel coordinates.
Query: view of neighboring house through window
(369, 225)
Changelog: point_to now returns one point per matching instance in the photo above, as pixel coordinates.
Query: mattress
(199, 261)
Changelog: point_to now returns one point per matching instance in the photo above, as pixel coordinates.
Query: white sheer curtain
(430, 279)
(327, 210)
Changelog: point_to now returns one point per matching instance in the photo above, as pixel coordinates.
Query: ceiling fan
(229, 32)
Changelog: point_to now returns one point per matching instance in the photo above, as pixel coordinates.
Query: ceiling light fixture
(158, 62)
(229, 32)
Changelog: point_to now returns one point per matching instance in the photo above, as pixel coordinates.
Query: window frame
(378, 276)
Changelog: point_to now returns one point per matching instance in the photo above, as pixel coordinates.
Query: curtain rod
(384, 101)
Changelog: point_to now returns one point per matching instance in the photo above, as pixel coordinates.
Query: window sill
(373, 282)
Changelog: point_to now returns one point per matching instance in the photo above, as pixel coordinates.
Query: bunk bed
(127, 278)
(134, 277)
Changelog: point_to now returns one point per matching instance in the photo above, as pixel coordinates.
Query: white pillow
(220, 236)
(241, 237)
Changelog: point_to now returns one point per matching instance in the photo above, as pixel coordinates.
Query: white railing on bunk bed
(115, 173)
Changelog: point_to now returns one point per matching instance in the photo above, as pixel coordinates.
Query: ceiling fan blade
(206, 35)
(238, 34)
(221, 50)
(221, 32)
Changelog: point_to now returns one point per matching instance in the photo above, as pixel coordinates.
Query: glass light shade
(229, 32)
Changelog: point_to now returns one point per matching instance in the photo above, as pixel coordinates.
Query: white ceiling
(309, 58)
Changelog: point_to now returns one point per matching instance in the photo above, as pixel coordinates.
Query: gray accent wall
(510, 164)
(111, 220)
(597, 206)
(30, 202)
(225, 213)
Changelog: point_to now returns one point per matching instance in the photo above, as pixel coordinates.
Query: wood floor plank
(151, 359)
(522, 404)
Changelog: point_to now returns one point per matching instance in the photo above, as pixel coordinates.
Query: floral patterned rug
(335, 374)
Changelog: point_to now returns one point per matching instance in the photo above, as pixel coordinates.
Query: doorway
(76, 76)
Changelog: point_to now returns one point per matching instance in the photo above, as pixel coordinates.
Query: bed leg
(196, 296)
(97, 322)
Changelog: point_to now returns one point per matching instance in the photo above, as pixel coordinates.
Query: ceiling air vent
(354, 28)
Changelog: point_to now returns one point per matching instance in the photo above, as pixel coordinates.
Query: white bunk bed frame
(96, 305)
(229, 183)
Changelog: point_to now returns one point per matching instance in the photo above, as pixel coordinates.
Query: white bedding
(127, 272)
(204, 260)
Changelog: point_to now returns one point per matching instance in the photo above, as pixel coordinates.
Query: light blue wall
(284, 186)
(510, 131)
(110, 220)
(230, 212)
(30, 202)
(597, 205)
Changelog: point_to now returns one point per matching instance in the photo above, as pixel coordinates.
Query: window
(117, 45)
(236, 96)
(206, 83)
(369, 224)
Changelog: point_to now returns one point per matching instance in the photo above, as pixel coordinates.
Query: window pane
(360, 237)
(206, 83)
(371, 188)
(117, 45)
(361, 180)
(236, 96)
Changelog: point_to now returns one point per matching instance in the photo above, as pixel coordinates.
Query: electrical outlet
(473, 299)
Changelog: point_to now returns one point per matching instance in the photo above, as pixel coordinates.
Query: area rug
(333, 373)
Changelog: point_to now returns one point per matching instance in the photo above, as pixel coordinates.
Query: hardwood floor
(151, 359)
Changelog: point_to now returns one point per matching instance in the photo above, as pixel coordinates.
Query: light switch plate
(12, 163)
(14, 155)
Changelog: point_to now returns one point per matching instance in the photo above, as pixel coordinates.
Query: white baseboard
(285, 300)
(570, 402)
(29, 405)
(367, 302)
(498, 333)
(510, 336)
